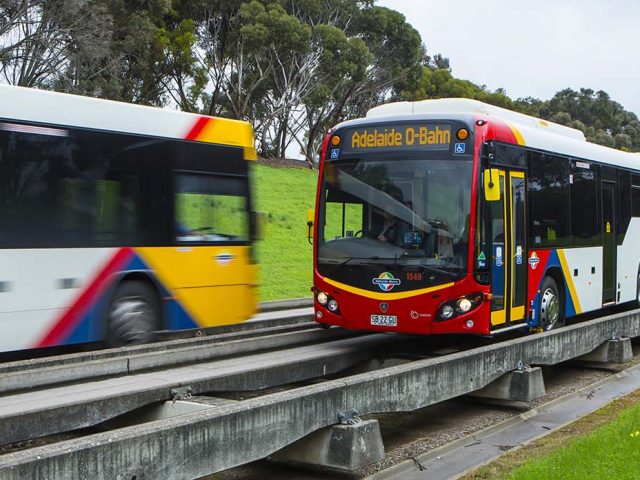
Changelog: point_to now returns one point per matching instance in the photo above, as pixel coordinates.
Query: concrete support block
(523, 385)
(617, 350)
(343, 447)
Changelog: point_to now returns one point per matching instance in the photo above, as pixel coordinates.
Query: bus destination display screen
(397, 137)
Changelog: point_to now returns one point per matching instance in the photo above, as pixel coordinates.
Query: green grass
(601, 445)
(610, 451)
(285, 255)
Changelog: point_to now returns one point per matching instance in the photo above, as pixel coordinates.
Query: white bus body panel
(628, 261)
(36, 296)
(587, 285)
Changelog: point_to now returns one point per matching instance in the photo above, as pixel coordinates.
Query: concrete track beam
(215, 439)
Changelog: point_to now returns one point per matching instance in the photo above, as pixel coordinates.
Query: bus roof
(473, 107)
(533, 132)
(61, 109)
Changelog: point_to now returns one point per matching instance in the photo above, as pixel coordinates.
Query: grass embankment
(285, 255)
(602, 445)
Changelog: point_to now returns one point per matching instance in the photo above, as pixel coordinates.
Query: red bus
(453, 216)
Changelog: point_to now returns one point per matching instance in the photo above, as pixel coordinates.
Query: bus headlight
(464, 305)
(333, 305)
(322, 298)
(460, 306)
(447, 312)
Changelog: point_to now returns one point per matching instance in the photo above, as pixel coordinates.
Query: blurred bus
(120, 220)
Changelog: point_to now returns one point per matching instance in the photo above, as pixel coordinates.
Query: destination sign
(406, 137)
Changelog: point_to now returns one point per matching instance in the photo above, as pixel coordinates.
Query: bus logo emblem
(225, 258)
(534, 261)
(386, 281)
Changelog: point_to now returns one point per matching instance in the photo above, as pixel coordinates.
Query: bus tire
(133, 315)
(551, 306)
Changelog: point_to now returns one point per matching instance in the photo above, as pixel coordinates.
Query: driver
(393, 230)
(389, 232)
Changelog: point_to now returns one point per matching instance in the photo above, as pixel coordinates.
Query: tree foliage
(40, 39)
(293, 68)
(601, 119)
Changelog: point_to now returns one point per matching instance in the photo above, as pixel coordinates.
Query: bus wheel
(551, 308)
(133, 315)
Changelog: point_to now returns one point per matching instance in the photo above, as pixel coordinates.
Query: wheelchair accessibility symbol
(459, 148)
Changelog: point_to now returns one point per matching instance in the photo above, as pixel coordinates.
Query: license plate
(384, 320)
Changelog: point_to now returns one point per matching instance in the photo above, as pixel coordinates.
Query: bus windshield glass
(394, 210)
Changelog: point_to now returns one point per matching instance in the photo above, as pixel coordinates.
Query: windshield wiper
(374, 261)
(340, 265)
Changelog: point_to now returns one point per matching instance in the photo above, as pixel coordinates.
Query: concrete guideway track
(222, 341)
(197, 444)
(43, 412)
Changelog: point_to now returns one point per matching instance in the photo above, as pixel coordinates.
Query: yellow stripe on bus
(569, 280)
(518, 135)
(385, 296)
(229, 132)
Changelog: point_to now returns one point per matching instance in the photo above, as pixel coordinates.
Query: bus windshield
(394, 210)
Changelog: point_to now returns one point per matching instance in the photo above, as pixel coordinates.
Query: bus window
(344, 215)
(211, 208)
(408, 210)
(635, 201)
(548, 186)
(584, 224)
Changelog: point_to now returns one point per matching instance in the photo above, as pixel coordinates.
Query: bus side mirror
(311, 216)
(491, 185)
(259, 221)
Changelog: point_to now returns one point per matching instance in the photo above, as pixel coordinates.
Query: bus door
(608, 243)
(508, 251)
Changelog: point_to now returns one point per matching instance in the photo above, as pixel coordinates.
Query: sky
(535, 48)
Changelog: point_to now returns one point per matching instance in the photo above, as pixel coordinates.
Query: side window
(31, 192)
(548, 185)
(78, 188)
(635, 201)
(344, 216)
(584, 221)
(211, 208)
